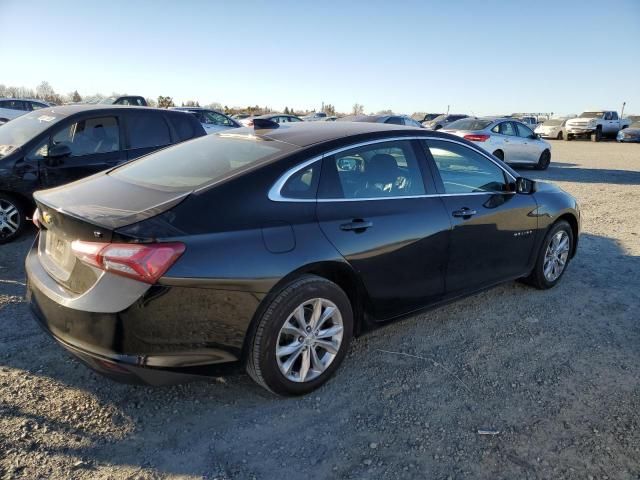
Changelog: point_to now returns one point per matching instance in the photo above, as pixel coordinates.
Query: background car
(552, 128)
(630, 134)
(529, 121)
(53, 146)
(11, 108)
(430, 116)
(389, 119)
(211, 120)
(264, 261)
(274, 117)
(509, 140)
(441, 121)
(134, 100)
(315, 116)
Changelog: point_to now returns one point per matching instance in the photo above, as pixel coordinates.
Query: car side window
(464, 170)
(90, 136)
(219, 119)
(294, 119)
(507, 128)
(183, 126)
(614, 115)
(37, 106)
(607, 116)
(303, 184)
(410, 122)
(388, 169)
(147, 130)
(524, 131)
(394, 121)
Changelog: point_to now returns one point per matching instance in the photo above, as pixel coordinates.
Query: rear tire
(499, 154)
(538, 278)
(544, 160)
(290, 324)
(12, 218)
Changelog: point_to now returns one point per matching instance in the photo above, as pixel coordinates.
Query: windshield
(553, 123)
(20, 130)
(592, 115)
(199, 162)
(469, 124)
(107, 101)
(439, 117)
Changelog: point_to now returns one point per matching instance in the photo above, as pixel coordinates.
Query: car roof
(26, 100)
(66, 110)
(305, 134)
(271, 115)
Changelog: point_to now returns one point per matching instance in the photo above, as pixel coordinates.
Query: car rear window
(203, 161)
(469, 124)
(147, 129)
(183, 125)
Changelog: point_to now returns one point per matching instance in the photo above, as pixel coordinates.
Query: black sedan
(274, 246)
(389, 119)
(52, 146)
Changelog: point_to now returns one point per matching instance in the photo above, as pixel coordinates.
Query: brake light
(476, 137)
(143, 262)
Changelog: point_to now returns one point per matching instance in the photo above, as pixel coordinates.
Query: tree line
(44, 91)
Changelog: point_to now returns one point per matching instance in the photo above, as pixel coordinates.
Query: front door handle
(356, 225)
(464, 213)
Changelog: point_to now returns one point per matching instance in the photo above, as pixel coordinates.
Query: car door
(509, 141)
(529, 144)
(493, 228)
(94, 144)
(613, 124)
(372, 207)
(146, 131)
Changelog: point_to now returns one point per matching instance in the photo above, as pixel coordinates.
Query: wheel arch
(340, 273)
(571, 219)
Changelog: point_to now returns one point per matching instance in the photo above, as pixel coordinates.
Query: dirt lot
(556, 373)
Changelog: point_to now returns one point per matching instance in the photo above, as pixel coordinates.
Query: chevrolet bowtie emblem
(47, 218)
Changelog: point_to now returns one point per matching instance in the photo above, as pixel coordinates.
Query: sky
(477, 57)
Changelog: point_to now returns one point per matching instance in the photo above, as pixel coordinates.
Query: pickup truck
(595, 124)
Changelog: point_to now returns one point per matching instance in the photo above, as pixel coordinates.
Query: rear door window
(146, 129)
(183, 126)
(302, 184)
(90, 136)
(388, 169)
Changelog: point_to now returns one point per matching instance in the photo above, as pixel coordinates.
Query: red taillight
(144, 262)
(476, 137)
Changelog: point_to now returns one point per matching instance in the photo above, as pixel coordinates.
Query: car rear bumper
(168, 335)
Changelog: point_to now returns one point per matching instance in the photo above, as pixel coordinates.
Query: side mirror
(525, 186)
(59, 151)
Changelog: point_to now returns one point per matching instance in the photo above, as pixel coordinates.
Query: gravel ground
(554, 376)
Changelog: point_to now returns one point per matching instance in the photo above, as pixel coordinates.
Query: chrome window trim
(275, 195)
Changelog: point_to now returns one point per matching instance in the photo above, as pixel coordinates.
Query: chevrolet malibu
(272, 247)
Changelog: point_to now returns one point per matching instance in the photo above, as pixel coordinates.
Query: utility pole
(622, 112)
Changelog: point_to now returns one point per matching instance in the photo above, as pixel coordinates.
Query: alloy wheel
(309, 340)
(9, 218)
(556, 255)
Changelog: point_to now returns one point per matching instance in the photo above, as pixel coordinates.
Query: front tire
(12, 218)
(553, 258)
(597, 135)
(301, 337)
(568, 137)
(560, 135)
(544, 160)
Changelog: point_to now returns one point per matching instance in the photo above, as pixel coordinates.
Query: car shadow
(220, 420)
(568, 172)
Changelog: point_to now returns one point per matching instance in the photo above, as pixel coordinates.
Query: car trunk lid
(91, 211)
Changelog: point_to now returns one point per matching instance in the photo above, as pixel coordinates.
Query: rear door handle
(356, 225)
(464, 212)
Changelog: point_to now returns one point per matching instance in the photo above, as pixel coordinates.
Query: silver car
(553, 128)
(507, 139)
